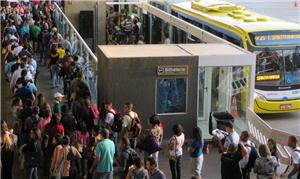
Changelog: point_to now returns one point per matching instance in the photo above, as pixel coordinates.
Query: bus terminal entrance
(224, 85)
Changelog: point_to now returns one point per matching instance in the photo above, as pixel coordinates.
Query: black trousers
(175, 166)
(246, 174)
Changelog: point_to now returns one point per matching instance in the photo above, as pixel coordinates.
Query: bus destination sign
(276, 39)
(268, 77)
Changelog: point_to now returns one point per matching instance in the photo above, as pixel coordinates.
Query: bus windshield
(277, 67)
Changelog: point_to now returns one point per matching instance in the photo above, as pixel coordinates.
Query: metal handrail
(82, 49)
(77, 34)
(261, 131)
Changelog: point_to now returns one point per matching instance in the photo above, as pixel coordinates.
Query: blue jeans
(133, 142)
(55, 77)
(103, 175)
(114, 138)
(32, 173)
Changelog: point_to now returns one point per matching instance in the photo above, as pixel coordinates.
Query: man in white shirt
(292, 143)
(232, 138)
(244, 139)
(33, 64)
(109, 120)
(17, 74)
(129, 115)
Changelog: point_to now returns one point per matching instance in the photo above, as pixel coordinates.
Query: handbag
(172, 152)
(63, 169)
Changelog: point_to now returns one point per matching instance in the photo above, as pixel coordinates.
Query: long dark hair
(197, 133)
(274, 145)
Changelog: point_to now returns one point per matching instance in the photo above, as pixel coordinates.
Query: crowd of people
(73, 138)
(123, 28)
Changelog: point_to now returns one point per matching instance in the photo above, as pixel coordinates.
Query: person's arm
(221, 146)
(295, 170)
(163, 176)
(32, 97)
(128, 174)
(243, 150)
(54, 160)
(147, 174)
(96, 160)
(161, 135)
(76, 153)
(190, 149)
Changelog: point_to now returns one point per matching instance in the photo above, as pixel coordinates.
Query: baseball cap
(13, 38)
(57, 94)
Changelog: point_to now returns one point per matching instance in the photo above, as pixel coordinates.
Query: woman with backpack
(175, 149)
(56, 143)
(196, 153)
(66, 167)
(137, 171)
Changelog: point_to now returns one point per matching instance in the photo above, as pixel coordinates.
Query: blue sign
(289, 80)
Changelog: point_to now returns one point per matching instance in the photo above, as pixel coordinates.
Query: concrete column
(101, 22)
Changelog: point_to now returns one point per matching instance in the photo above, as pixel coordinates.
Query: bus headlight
(259, 96)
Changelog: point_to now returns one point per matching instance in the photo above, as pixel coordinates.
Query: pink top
(83, 137)
(178, 142)
(42, 124)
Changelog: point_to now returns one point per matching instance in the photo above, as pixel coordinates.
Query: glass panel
(201, 89)
(171, 95)
(224, 89)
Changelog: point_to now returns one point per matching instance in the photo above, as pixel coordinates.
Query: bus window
(268, 65)
(292, 70)
(296, 58)
(276, 68)
(232, 40)
(211, 30)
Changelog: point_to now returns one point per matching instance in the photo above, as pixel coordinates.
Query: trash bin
(218, 120)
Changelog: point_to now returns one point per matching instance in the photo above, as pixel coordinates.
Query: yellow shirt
(61, 52)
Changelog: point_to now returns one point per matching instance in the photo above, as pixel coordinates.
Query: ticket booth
(181, 83)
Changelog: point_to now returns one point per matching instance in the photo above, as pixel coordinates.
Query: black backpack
(136, 127)
(252, 157)
(118, 121)
(298, 176)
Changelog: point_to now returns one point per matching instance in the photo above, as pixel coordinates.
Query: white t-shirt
(232, 138)
(296, 156)
(109, 118)
(243, 162)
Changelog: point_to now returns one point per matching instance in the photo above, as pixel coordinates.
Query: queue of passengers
(73, 138)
